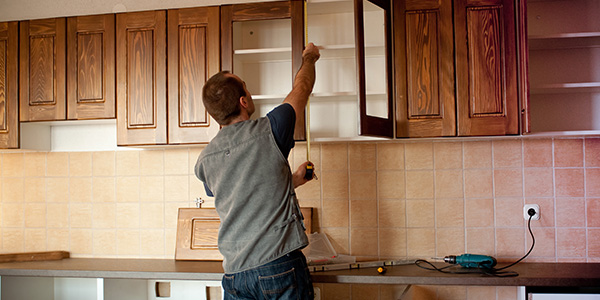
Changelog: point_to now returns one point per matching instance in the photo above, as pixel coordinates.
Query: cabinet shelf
(564, 40)
(284, 53)
(571, 87)
(263, 54)
(316, 96)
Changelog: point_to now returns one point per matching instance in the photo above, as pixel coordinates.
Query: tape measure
(310, 167)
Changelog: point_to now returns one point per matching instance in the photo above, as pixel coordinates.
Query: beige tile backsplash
(375, 200)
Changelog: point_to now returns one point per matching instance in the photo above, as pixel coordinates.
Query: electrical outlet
(526, 209)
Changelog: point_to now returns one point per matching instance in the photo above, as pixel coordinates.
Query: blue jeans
(284, 278)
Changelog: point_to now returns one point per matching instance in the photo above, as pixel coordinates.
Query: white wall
(17, 10)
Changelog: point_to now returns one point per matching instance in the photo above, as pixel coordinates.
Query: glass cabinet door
(373, 38)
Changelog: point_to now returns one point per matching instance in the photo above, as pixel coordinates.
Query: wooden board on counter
(198, 233)
(33, 256)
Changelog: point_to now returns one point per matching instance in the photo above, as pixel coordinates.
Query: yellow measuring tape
(307, 116)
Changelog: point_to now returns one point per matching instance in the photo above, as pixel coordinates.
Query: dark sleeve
(208, 191)
(283, 122)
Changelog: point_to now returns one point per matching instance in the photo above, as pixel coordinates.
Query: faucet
(199, 202)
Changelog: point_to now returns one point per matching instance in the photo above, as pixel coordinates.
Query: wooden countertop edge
(530, 274)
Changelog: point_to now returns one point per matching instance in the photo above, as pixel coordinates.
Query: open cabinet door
(373, 59)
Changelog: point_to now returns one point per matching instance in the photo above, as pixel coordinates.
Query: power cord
(482, 268)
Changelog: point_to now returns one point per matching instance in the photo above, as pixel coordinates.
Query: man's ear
(243, 102)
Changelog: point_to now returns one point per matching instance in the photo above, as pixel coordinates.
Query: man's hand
(311, 53)
(298, 176)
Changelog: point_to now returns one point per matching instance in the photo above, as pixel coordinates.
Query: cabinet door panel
(424, 69)
(91, 67)
(193, 58)
(486, 68)
(141, 78)
(374, 61)
(42, 70)
(9, 112)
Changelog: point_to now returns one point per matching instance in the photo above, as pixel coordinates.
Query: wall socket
(535, 207)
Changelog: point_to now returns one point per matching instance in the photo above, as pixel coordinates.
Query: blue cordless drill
(471, 260)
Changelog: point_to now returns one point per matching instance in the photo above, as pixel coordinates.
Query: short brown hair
(221, 95)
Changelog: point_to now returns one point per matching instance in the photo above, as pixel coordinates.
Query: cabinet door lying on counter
(193, 57)
(42, 70)
(9, 98)
(141, 78)
(91, 67)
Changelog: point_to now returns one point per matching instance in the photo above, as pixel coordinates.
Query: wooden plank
(33, 256)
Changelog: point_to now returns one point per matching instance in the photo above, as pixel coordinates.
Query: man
(245, 167)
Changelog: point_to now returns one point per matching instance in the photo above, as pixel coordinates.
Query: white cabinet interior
(262, 57)
(564, 65)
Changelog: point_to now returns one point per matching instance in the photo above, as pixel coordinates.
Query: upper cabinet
(193, 54)
(43, 70)
(91, 67)
(456, 68)
(141, 78)
(9, 98)
(159, 105)
(564, 59)
(262, 43)
(67, 69)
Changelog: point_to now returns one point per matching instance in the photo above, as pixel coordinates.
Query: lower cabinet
(58, 288)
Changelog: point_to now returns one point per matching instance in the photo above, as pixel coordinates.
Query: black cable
(482, 268)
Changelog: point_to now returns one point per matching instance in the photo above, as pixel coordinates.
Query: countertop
(530, 274)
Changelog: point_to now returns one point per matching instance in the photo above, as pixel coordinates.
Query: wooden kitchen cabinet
(67, 69)
(91, 67)
(262, 43)
(42, 70)
(141, 78)
(193, 53)
(149, 113)
(456, 68)
(9, 99)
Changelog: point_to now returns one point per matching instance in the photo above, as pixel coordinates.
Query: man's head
(226, 98)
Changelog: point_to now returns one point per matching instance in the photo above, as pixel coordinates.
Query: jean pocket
(279, 285)
(227, 284)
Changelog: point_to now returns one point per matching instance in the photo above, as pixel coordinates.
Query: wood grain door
(194, 56)
(9, 94)
(42, 70)
(141, 78)
(292, 9)
(424, 62)
(486, 67)
(91, 67)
